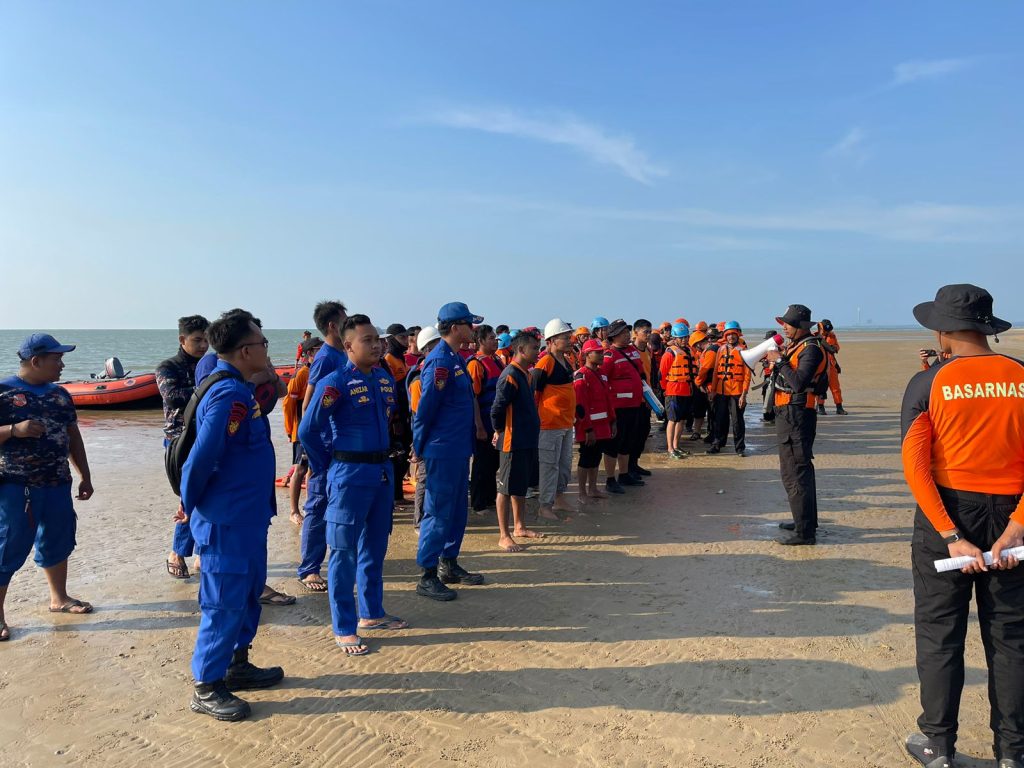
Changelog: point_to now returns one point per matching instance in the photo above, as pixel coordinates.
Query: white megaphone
(753, 356)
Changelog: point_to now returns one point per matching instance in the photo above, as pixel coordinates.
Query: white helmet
(556, 327)
(427, 335)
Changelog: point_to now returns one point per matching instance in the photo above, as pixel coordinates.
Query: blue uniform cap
(456, 311)
(732, 325)
(504, 340)
(599, 322)
(680, 330)
(42, 344)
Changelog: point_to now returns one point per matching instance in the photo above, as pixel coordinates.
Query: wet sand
(664, 629)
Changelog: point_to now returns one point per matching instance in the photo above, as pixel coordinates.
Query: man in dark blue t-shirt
(38, 433)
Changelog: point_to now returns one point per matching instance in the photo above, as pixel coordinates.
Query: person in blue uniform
(444, 433)
(329, 317)
(355, 404)
(38, 433)
(227, 492)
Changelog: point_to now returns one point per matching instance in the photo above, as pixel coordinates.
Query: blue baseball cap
(456, 311)
(599, 322)
(680, 330)
(42, 344)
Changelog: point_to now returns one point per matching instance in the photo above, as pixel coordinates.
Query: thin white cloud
(849, 144)
(908, 72)
(921, 222)
(564, 130)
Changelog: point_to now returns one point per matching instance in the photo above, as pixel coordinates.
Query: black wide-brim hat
(618, 326)
(796, 315)
(960, 307)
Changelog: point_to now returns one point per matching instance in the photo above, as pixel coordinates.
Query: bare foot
(296, 517)
(596, 494)
(546, 513)
(508, 544)
(563, 506)
(585, 500)
(526, 533)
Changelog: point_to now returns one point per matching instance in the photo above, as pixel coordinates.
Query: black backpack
(178, 449)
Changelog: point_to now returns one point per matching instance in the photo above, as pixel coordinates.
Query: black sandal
(177, 570)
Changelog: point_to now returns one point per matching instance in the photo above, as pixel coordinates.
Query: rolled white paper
(956, 563)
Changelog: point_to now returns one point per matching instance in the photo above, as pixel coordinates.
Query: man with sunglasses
(444, 432)
(227, 491)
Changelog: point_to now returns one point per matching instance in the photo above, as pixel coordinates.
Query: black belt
(977, 496)
(361, 457)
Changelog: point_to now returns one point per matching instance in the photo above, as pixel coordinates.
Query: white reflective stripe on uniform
(625, 395)
(622, 360)
(596, 416)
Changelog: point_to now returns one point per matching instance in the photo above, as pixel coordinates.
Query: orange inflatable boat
(130, 392)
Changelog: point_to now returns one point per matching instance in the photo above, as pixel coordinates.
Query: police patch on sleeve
(239, 412)
(330, 397)
(440, 378)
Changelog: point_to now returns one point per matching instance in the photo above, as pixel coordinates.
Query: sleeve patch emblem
(239, 412)
(330, 397)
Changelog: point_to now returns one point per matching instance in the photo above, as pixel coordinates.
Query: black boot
(821, 409)
(840, 411)
(430, 586)
(714, 448)
(787, 526)
(612, 486)
(637, 471)
(928, 752)
(243, 675)
(450, 572)
(795, 540)
(215, 700)
(628, 479)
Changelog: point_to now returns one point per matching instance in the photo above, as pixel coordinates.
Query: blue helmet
(680, 330)
(504, 340)
(599, 322)
(732, 325)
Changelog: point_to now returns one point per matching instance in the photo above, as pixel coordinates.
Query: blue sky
(715, 160)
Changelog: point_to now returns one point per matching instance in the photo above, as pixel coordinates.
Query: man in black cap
(797, 372)
(963, 458)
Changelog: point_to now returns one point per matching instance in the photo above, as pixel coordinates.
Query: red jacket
(595, 406)
(622, 367)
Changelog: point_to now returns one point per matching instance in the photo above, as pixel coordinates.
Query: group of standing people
(517, 410)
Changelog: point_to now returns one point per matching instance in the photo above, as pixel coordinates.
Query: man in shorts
(38, 433)
(516, 435)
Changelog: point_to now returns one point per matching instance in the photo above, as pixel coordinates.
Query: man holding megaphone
(797, 374)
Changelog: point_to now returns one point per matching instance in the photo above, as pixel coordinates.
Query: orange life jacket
(792, 359)
(679, 371)
(731, 375)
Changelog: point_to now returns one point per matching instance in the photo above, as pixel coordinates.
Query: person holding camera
(964, 463)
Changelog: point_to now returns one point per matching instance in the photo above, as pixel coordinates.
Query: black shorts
(590, 455)
(299, 454)
(700, 404)
(627, 425)
(679, 407)
(518, 471)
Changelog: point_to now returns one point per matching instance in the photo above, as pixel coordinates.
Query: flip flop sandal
(387, 622)
(66, 608)
(318, 587)
(4, 628)
(357, 643)
(177, 571)
(277, 598)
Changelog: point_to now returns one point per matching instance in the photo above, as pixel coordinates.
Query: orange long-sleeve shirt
(962, 423)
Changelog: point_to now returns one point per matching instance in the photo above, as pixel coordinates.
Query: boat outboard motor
(112, 369)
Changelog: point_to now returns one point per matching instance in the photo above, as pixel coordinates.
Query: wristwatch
(954, 537)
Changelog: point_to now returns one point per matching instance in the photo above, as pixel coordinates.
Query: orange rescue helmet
(701, 326)
(696, 337)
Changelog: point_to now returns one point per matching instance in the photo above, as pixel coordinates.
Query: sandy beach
(664, 629)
